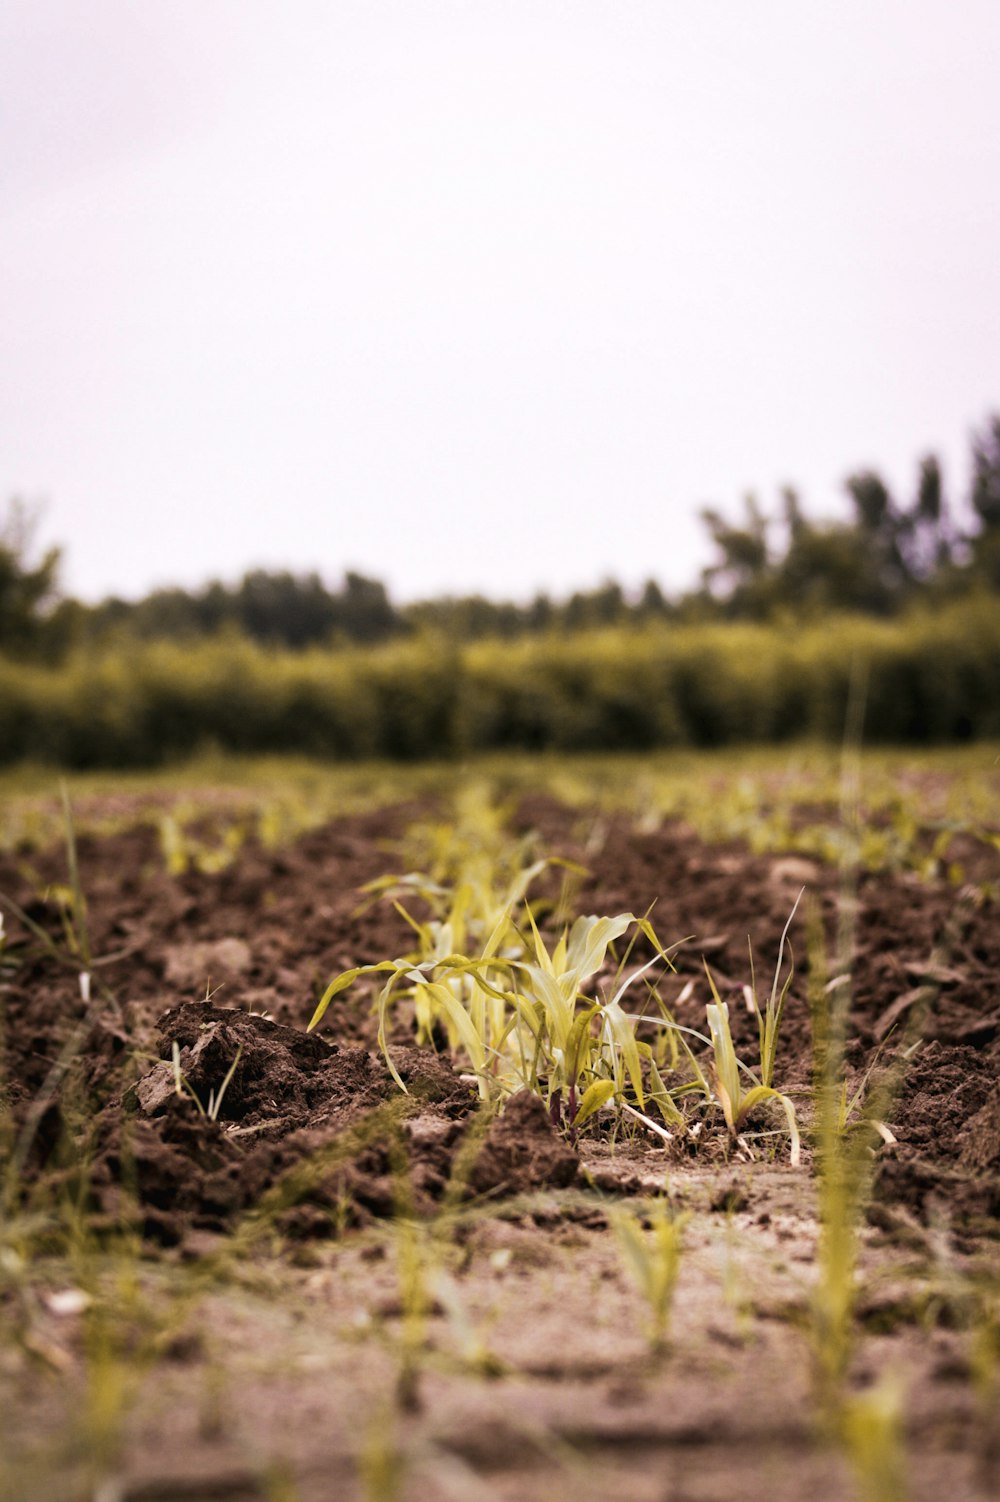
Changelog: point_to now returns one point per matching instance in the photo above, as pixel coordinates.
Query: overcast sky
(482, 294)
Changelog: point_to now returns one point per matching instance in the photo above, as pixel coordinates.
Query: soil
(264, 1171)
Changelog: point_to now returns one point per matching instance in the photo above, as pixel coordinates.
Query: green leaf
(622, 1030)
(472, 1041)
(661, 1096)
(727, 1071)
(577, 1043)
(754, 1097)
(341, 983)
(557, 1007)
(594, 1097)
(588, 944)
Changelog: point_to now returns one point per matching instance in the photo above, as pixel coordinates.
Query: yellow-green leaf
(594, 1097)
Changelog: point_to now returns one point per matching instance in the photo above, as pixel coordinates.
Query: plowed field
(305, 1284)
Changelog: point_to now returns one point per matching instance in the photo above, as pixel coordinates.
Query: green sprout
(737, 1103)
(653, 1257)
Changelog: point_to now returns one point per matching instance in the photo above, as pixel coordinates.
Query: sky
(483, 295)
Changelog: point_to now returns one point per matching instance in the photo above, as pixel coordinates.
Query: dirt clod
(522, 1151)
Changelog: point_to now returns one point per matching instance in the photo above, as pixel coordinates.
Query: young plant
(75, 953)
(653, 1257)
(769, 1020)
(871, 1430)
(737, 1103)
(532, 1021)
(182, 1085)
(845, 1156)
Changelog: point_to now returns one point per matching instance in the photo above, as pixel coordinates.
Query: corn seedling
(416, 1303)
(984, 1356)
(653, 1258)
(474, 881)
(422, 1249)
(769, 1020)
(521, 1016)
(844, 1171)
(183, 851)
(531, 1022)
(737, 1103)
(75, 953)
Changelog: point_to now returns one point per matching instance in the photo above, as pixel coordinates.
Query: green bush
(931, 677)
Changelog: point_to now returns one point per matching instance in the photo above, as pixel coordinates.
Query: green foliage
(278, 609)
(845, 1131)
(653, 1257)
(737, 1102)
(985, 545)
(932, 677)
(27, 587)
(885, 558)
(986, 475)
(872, 1428)
(517, 1012)
(520, 1016)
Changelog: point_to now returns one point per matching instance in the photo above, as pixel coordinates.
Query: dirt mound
(968, 1204)
(244, 1068)
(980, 1137)
(244, 1117)
(941, 1091)
(522, 1150)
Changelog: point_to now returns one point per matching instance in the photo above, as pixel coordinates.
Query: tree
(740, 575)
(985, 498)
(28, 590)
(926, 535)
(985, 495)
(653, 604)
(881, 529)
(364, 611)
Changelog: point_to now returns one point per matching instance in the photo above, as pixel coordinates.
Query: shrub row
(932, 677)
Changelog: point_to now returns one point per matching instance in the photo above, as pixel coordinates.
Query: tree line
(887, 555)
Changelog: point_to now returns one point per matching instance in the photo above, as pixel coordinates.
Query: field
(620, 1235)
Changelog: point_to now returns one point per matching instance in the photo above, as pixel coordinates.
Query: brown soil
(276, 1203)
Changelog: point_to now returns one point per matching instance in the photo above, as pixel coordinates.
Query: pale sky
(483, 295)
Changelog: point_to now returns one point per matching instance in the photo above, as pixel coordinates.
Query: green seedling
(533, 1021)
(653, 1258)
(984, 1355)
(182, 1085)
(75, 953)
(416, 1303)
(871, 1431)
(737, 1103)
(844, 1128)
(844, 1168)
(518, 1014)
(769, 1020)
(183, 851)
(381, 1463)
